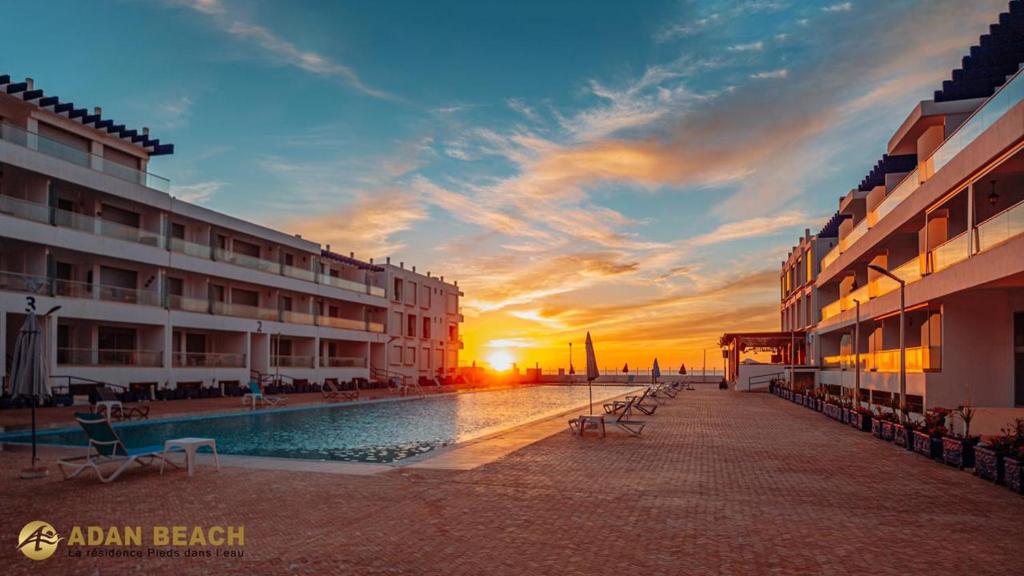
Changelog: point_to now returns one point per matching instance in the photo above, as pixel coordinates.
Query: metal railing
(84, 158)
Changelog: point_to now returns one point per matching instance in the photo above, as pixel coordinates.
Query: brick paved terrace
(720, 483)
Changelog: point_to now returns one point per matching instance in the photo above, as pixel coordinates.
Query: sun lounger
(615, 406)
(256, 396)
(106, 447)
(332, 390)
(622, 419)
(120, 411)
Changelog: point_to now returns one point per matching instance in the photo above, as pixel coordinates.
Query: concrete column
(168, 346)
(971, 229)
(96, 158)
(3, 343)
(248, 352)
(96, 281)
(32, 127)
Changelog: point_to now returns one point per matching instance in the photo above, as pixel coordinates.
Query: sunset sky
(636, 169)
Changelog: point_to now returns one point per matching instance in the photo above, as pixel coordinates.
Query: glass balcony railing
(84, 158)
(1001, 227)
(342, 362)
(344, 323)
(831, 309)
(291, 361)
(375, 327)
(300, 273)
(244, 311)
(109, 357)
(187, 304)
(294, 317)
(24, 209)
(831, 257)
(27, 283)
(909, 271)
(855, 233)
(948, 253)
(208, 360)
(75, 289)
(246, 261)
(919, 359)
(191, 248)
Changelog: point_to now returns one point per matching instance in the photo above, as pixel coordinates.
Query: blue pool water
(368, 432)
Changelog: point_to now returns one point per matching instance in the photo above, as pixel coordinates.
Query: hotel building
(154, 292)
(942, 211)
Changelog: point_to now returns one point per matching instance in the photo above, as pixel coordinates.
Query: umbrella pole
(33, 431)
(590, 389)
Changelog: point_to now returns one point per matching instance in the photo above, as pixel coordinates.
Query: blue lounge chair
(106, 447)
(256, 395)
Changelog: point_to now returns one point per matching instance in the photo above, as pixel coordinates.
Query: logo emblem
(38, 540)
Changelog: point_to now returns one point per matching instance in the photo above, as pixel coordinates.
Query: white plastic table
(189, 446)
(108, 406)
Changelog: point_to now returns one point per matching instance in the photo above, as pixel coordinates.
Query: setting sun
(500, 360)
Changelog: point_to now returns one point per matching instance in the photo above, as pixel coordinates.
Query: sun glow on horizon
(500, 360)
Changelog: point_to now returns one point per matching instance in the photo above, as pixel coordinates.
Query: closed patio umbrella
(28, 374)
(656, 371)
(682, 369)
(592, 371)
(625, 368)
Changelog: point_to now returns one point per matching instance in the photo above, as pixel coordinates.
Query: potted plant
(958, 450)
(1013, 470)
(989, 457)
(903, 434)
(862, 418)
(877, 422)
(928, 439)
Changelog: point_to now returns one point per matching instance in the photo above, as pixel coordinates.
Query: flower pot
(798, 398)
(902, 437)
(844, 415)
(887, 430)
(1013, 474)
(988, 464)
(958, 452)
(926, 445)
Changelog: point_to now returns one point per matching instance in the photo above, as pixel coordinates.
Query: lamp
(993, 196)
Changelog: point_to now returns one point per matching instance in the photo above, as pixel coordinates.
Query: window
(396, 325)
(410, 355)
(397, 293)
(247, 248)
(396, 354)
(411, 326)
(177, 230)
(453, 332)
(810, 266)
(425, 299)
(175, 286)
(426, 327)
(245, 297)
(412, 293)
(426, 358)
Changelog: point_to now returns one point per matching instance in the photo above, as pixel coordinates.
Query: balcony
(279, 361)
(73, 289)
(293, 317)
(61, 151)
(27, 283)
(191, 248)
(299, 273)
(97, 226)
(342, 362)
(1011, 94)
(208, 360)
(1001, 227)
(187, 304)
(344, 323)
(948, 253)
(346, 284)
(109, 357)
(244, 311)
(919, 359)
(246, 261)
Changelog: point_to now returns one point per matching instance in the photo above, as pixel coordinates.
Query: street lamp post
(903, 348)
(856, 355)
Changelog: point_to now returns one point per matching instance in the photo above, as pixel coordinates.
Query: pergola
(779, 344)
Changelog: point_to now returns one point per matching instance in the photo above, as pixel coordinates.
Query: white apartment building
(157, 293)
(943, 211)
(423, 323)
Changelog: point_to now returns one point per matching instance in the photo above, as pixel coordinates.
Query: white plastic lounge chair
(256, 395)
(106, 447)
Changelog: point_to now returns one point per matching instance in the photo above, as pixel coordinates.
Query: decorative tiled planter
(1013, 474)
(902, 437)
(988, 464)
(876, 427)
(798, 398)
(844, 415)
(958, 453)
(887, 430)
(862, 422)
(925, 445)
(819, 404)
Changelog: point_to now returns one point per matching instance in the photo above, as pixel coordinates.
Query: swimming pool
(383, 431)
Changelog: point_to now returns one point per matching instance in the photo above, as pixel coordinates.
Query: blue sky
(637, 169)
